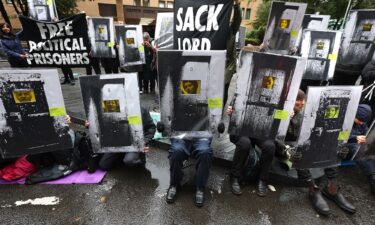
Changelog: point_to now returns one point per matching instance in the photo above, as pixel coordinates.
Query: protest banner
(201, 25)
(56, 44)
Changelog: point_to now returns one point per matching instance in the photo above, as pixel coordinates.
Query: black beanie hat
(364, 113)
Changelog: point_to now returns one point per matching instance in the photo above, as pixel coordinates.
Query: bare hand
(361, 139)
(24, 56)
(68, 119)
(229, 110)
(146, 149)
(87, 124)
(292, 114)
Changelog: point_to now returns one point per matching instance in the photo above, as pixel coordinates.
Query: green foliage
(66, 8)
(255, 35)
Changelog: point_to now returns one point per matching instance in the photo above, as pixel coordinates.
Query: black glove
(221, 128)
(343, 152)
(160, 127)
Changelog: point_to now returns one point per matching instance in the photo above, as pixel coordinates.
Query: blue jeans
(199, 148)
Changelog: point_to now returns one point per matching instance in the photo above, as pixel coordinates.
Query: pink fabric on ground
(21, 168)
(79, 177)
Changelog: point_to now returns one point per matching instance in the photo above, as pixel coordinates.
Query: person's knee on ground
(133, 159)
(109, 161)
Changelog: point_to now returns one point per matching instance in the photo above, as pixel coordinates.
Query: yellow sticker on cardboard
(343, 136)
(281, 114)
(134, 120)
(57, 111)
(332, 56)
(215, 103)
(293, 33)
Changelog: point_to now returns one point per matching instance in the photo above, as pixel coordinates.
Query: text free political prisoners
(61, 51)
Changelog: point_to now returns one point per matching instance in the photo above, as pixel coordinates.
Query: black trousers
(110, 65)
(146, 85)
(68, 73)
(94, 64)
(304, 174)
(243, 147)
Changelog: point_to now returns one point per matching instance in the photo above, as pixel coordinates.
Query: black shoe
(338, 198)
(235, 186)
(261, 188)
(318, 202)
(171, 194)
(199, 197)
(65, 82)
(371, 180)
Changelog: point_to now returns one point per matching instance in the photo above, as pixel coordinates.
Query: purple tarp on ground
(79, 177)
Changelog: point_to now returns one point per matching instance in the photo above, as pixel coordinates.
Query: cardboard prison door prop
(266, 90)
(284, 22)
(327, 122)
(32, 113)
(358, 45)
(321, 49)
(312, 22)
(191, 91)
(113, 110)
(101, 36)
(130, 41)
(164, 31)
(42, 10)
(201, 25)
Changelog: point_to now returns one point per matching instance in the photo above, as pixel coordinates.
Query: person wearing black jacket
(110, 160)
(231, 64)
(330, 190)
(12, 46)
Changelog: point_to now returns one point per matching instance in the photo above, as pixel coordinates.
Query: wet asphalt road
(137, 196)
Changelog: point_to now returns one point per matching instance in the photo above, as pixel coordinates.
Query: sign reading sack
(32, 113)
(321, 49)
(130, 41)
(56, 43)
(265, 94)
(113, 110)
(358, 45)
(327, 122)
(284, 23)
(191, 91)
(201, 25)
(102, 38)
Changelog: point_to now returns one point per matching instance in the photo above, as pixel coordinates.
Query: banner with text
(201, 25)
(58, 44)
